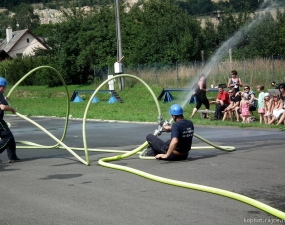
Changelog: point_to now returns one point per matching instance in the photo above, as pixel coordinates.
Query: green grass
(138, 105)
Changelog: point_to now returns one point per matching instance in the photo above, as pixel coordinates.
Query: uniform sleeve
(174, 131)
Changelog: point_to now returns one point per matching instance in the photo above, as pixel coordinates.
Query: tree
(262, 39)
(161, 32)
(5, 22)
(241, 5)
(25, 17)
(210, 38)
(81, 42)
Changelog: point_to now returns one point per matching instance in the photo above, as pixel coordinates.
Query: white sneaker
(148, 152)
(14, 160)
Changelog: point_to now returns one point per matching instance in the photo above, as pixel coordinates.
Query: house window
(28, 40)
(19, 55)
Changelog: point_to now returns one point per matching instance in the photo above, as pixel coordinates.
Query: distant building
(21, 43)
(4, 55)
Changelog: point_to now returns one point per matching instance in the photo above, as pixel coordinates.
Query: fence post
(203, 57)
(231, 54)
(157, 81)
(196, 68)
(177, 75)
(244, 71)
(273, 74)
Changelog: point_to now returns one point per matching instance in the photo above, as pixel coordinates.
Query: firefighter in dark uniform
(7, 139)
(178, 147)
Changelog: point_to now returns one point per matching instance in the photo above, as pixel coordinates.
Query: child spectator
(260, 99)
(237, 107)
(250, 98)
(276, 109)
(244, 107)
(267, 107)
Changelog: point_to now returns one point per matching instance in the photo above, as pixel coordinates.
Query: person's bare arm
(240, 83)
(8, 108)
(229, 84)
(251, 98)
(280, 104)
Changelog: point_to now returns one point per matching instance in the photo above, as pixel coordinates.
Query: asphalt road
(51, 187)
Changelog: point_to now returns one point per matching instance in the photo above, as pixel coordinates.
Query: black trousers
(219, 109)
(7, 141)
(202, 99)
(159, 146)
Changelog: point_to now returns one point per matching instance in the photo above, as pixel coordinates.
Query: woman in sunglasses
(234, 102)
(251, 100)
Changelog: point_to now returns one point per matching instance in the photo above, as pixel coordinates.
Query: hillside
(55, 16)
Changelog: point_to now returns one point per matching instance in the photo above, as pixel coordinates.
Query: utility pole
(218, 14)
(17, 24)
(120, 57)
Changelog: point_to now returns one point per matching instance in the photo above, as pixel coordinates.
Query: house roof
(16, 36)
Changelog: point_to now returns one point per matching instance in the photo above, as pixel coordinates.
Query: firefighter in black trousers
(178, 147)
(7, 138)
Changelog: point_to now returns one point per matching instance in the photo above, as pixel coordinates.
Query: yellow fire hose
(105, 161)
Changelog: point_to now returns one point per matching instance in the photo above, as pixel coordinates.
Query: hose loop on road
(105, 161)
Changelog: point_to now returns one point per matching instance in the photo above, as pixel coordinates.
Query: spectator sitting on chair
(282, 92)
(234, 103)
(222, 102)
(250, 98)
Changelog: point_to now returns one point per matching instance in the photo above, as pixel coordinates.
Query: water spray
(231, 42)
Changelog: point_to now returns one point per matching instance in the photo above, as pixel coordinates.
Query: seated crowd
(239, 105)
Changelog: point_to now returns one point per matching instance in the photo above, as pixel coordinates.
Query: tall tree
(6, 21)
(164, 33)
(25, 17)
(262, 39)
(241, 5)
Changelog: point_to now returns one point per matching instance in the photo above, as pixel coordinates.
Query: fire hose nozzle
(161, 126)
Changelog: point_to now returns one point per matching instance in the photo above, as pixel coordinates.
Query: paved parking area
(50, 186)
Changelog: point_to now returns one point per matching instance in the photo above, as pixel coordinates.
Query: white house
(21, 43)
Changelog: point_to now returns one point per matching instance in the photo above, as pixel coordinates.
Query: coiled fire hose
(106, 161)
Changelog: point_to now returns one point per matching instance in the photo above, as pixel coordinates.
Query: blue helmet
(3, 82)
(176, 110)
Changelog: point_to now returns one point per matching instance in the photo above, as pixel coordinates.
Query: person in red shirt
(222, 102)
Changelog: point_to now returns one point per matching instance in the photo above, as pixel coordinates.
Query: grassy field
(138, 105)
(252, 72)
